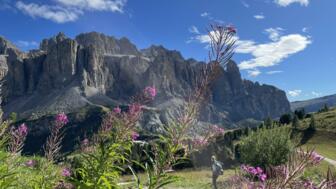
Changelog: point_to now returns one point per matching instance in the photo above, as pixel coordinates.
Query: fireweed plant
(53, 144)
(107, 154)
(177, 143)
(102, 159)
(288, 175)
(178, 132)
(17, 171)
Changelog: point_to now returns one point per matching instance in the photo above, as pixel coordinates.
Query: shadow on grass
(307, 135)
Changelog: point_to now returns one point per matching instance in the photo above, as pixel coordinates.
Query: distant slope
(323, 140)
(315, 104)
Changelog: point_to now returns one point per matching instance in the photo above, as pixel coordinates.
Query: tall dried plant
(53, 145)
(222, 43)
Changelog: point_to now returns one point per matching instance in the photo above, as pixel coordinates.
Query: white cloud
(316, 94)
(265, 54)
(245, 46)
(253, 73)
(270, 54)
(259, 16)
(55, 13)
(98, 5)
(194, 30)
(305, 30)
(69, 10)
(285, 3)
(274, 33)
(295, 93)
(205, 14)
(25, 44)
(274, 72)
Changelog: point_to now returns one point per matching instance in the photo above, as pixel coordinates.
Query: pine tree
(296, 122)
(285, 119)
(268, 123)
(312, 124)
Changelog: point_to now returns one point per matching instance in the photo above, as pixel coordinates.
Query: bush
(266, 147)
(312, 124)
(285, 119)
(300, 113)
(296, 122)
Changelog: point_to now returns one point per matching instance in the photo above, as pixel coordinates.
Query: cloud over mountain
(68, 11)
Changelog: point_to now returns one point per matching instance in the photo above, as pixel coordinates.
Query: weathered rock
(97, 70)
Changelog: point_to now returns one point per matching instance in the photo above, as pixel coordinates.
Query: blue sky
(286, 43)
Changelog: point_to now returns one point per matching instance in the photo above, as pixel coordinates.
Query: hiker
(217, 170)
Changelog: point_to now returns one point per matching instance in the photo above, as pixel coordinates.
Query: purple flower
(134, 108)
(31, 163)
(309, 185)
(66, 172)
(200, 141)
(259, 170)
(23, 130)
(217, 130)
(62, 118)
(64, 185)
(316, 158)
(262, 177)
(252, 170)
(135, 135)
(117, 110)
(85, 142)
(150, 91)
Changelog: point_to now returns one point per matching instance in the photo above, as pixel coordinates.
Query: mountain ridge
(315, 104)
(98, 70)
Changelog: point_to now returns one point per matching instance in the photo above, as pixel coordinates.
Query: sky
(286, 43)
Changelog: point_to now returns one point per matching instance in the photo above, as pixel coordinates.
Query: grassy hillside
(324, 138)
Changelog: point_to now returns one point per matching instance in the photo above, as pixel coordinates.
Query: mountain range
(313, 105)
(98, 71)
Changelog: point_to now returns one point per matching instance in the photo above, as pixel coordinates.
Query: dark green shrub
(268, 123)
(312, 124)
(296, 122)
(266, 147)
(285, 119)
(300, 113)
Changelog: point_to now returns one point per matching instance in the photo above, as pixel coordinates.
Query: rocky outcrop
(97, 70)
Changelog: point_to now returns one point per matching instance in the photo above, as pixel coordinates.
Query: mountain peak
(107, 44)
(160, 51)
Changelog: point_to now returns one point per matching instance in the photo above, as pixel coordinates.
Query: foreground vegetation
(116, 149)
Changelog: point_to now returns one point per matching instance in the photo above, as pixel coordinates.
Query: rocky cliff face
(97, 70)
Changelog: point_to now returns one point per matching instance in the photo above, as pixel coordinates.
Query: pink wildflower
(150, 91)
(262, 177)
(200, 142)
(66, 172)
(217, 130)
(316, 158)
(31, 163)
(259, 170)
(117, 110)
(252, 170)
(309, 185)
(22, 130)
(62, 119)
(85, 142)
(135, 135)
(134, 108)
